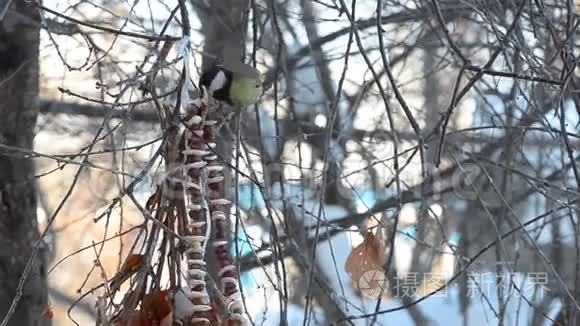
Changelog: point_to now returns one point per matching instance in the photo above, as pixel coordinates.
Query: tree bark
(19, 42)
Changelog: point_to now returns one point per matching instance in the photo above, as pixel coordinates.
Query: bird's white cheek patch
(218, 82)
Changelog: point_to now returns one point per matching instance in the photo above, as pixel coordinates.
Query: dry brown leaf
(167, 321)
(233, 322)
(48, 313)
(132, 263)
(157, 304)
(367, 256)
(139, 318)
(155, 311)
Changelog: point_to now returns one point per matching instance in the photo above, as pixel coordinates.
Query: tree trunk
(19, 41)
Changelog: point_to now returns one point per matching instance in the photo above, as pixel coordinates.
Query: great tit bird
(238, 85)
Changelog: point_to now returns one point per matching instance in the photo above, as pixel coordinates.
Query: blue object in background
(243, 248)
(454, 238)
(409, 232)
(250, 197)
(364, 199)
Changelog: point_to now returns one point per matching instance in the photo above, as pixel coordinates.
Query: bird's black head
(218, 90)
(207, 76)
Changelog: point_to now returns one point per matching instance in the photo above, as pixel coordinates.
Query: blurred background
(448, 129)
